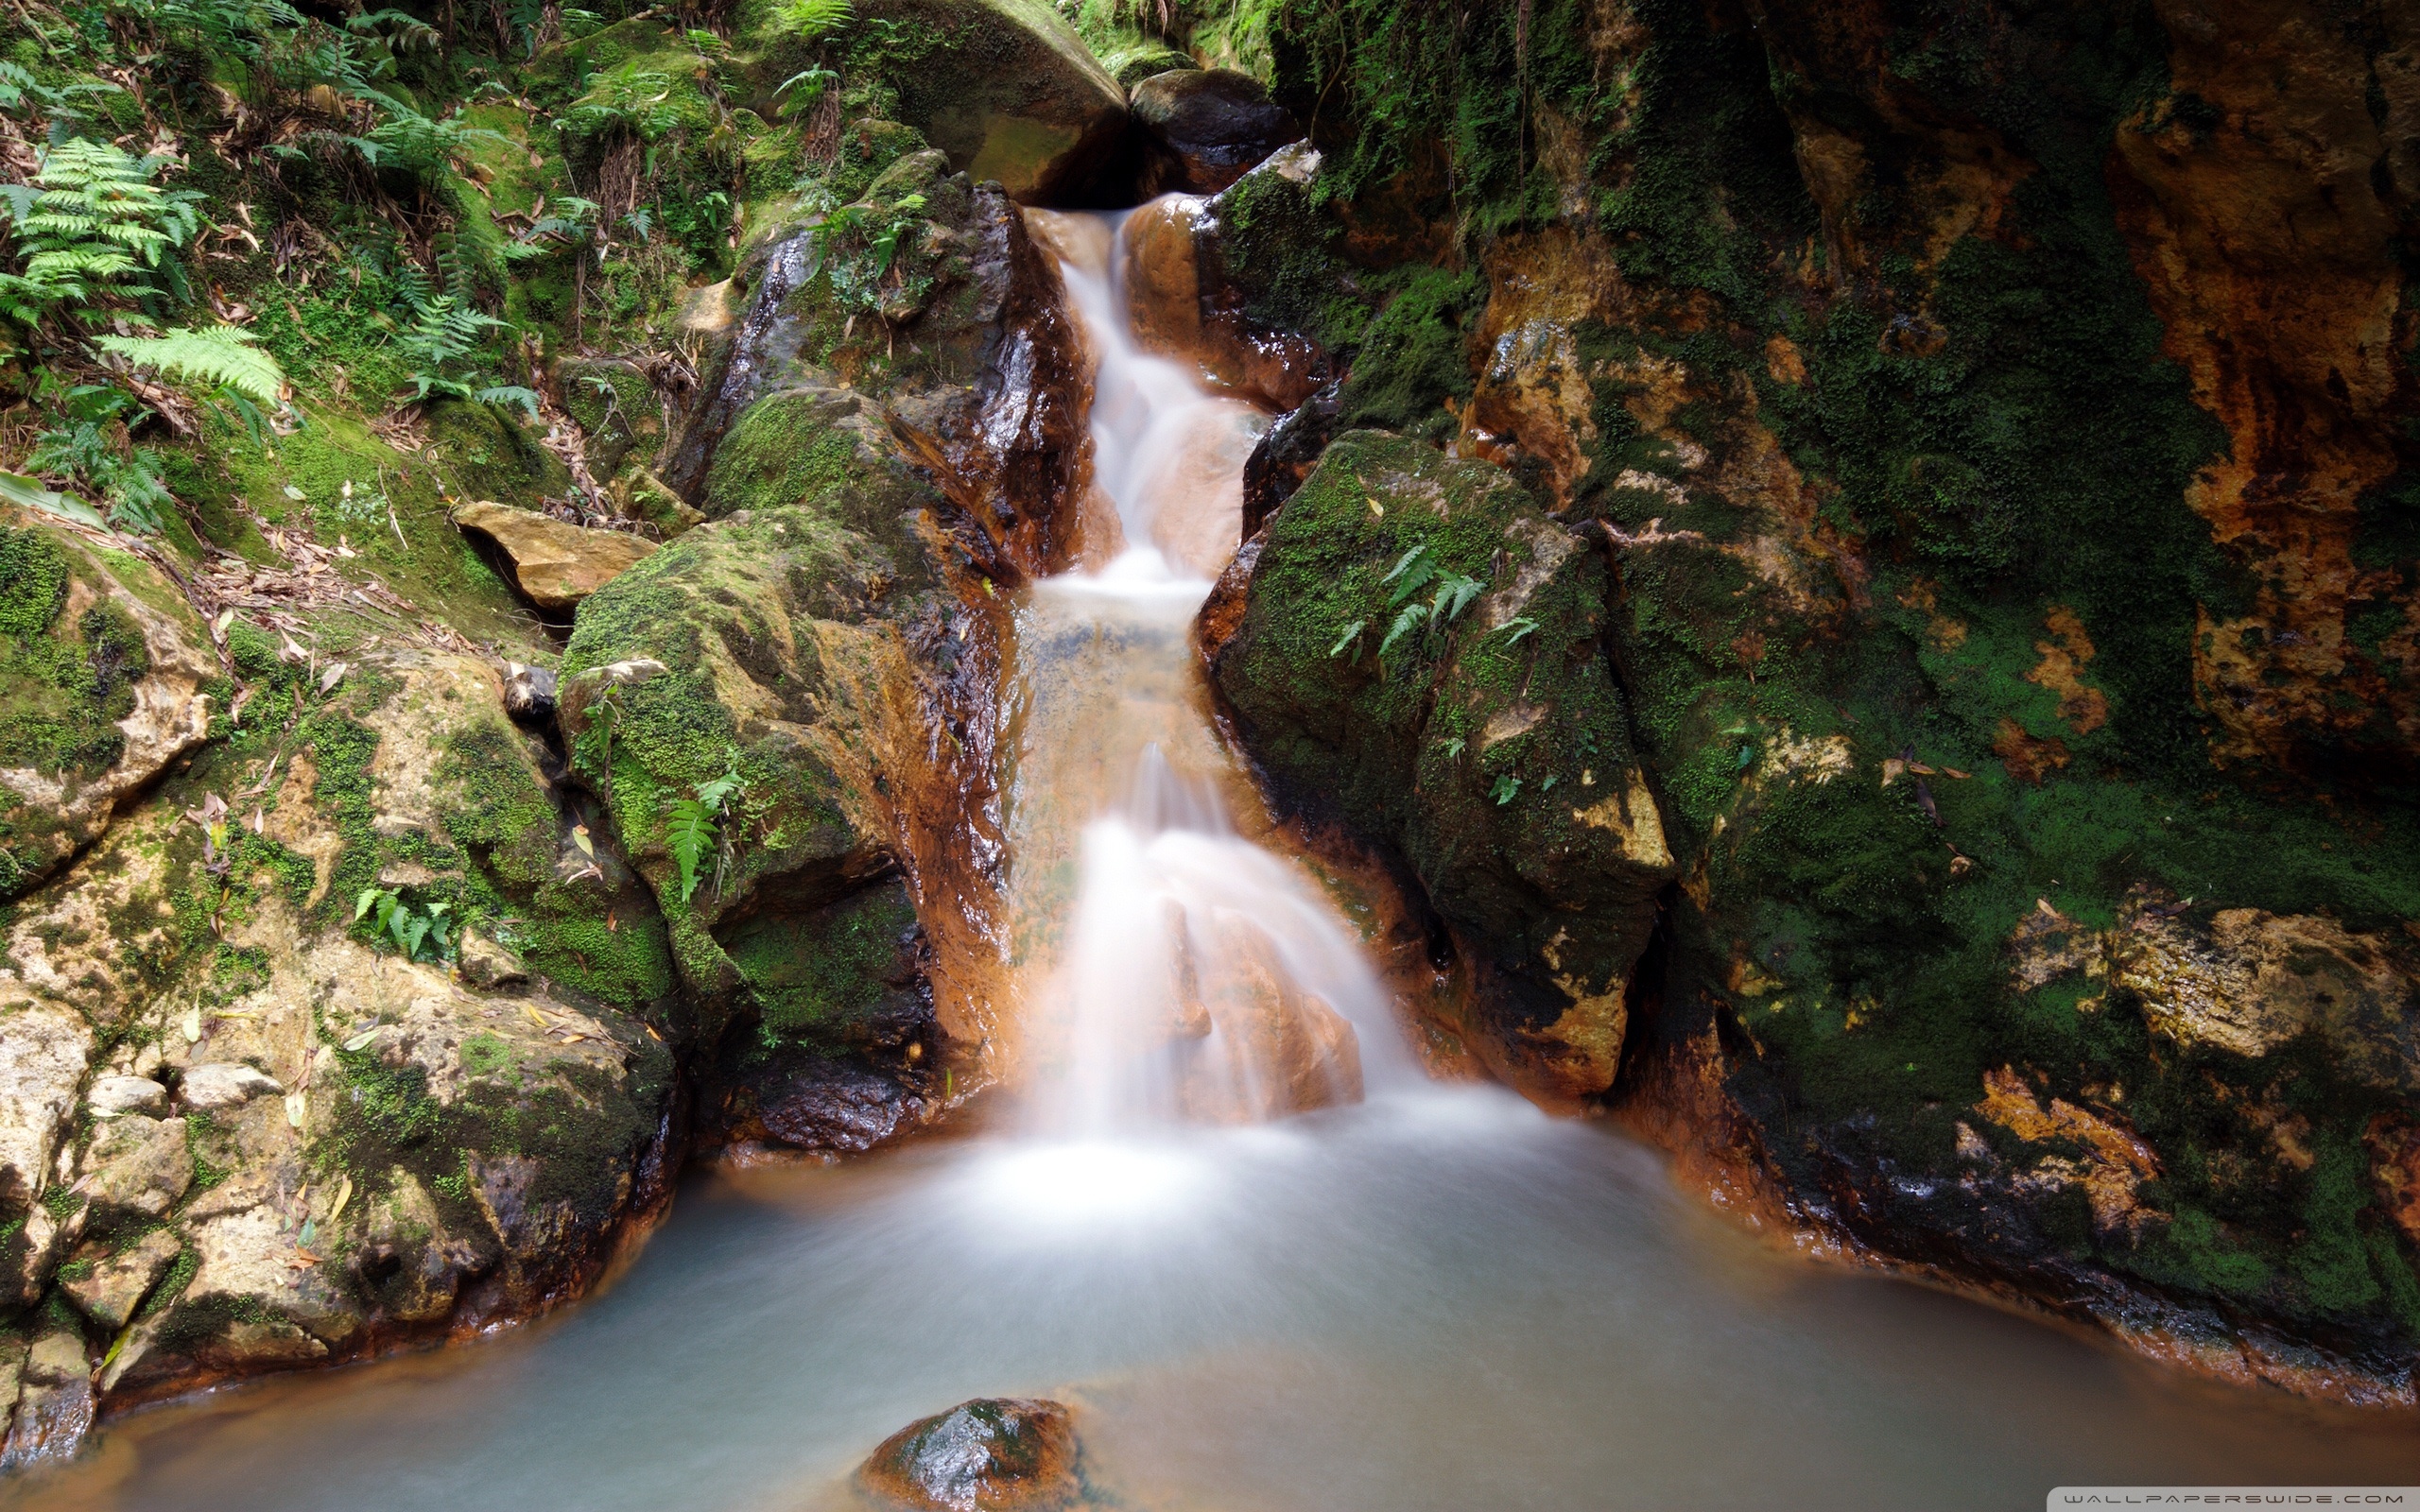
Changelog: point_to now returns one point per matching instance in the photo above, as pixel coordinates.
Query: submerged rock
(991, 1454)
(556, 563)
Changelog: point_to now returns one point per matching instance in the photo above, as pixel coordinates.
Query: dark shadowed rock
(993, 1454)
(1211, 126)
(529, 692)
(1287, 455)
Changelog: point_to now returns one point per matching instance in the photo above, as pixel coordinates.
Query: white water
(1199, 979)
(1438, 1298)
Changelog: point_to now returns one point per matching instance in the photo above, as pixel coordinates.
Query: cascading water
(1440, 1299)
(1198, 978)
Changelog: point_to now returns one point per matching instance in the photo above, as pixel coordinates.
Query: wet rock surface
(991, 1454)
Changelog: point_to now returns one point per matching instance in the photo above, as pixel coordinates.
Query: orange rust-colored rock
(2264, 229)
(1179, 308)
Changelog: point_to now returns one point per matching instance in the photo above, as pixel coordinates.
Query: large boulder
(1209, 127)
(1419, 655)
(1194, 272)
(1007, 89)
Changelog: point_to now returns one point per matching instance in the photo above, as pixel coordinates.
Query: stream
(1227, 1217)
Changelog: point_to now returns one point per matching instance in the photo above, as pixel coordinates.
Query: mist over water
(1228, 1219)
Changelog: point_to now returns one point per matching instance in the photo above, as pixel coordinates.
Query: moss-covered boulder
(298, 1124)
(1419, 655)
(1007, 89)
(102, 668)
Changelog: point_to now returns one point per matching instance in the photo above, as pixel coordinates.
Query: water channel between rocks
(1433, 1297)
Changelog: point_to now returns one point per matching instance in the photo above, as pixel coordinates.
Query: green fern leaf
(221, 356)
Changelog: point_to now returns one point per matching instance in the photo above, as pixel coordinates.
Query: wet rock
(1287, 455)
(112, 1095)
(135, 1168)
(1487, 750)
(115, 1284)
(832, 1108)
(54, 1405)
(225, 1084)
(1010, 92)
(1277, 1051)
(555, 563)
(1212, 125)
(44, 1050)
(529, 693)
(1192, 296)
(105, 664)
(993, 1454)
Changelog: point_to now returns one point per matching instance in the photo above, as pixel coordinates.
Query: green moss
(815, 979)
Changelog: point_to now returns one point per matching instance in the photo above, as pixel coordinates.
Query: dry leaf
(329, 679)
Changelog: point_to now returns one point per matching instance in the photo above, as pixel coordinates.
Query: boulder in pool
(991, 1454)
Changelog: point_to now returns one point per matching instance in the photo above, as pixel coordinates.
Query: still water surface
(1438, 1300)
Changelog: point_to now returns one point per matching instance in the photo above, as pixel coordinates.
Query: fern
(418, 933)
(695, 831)
(222, 356)
(812, 18)
(91, 226)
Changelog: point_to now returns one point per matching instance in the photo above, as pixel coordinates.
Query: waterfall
(1184, 973)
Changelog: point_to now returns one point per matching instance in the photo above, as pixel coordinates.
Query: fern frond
(221, 356)
(817, 18)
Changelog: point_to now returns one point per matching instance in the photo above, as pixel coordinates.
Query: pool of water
(1440, 1299)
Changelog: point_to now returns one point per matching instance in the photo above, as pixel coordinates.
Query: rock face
(101, 667)
(1419, 656)
(556, 563)
(2006, 530)
(1210, 125)
(993, 1454)
(1009, 90)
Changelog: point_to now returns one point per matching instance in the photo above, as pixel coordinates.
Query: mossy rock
(1487, 747)
(102, 668)
(615, 407)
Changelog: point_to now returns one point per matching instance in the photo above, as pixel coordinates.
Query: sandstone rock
(112, 1095)
(80, 731)
(993, 1454)
(411, 1271)
(116, 1284)
(1010, 92)
(225, 1084)
(2254, 980)
(55, 1404)
(44, 1050)
(135, 1168)
(28, 1256)
(1214, 125)
(555, 563)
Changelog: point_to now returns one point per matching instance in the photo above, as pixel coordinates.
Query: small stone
(116, 1284)
(112, 1095)
(28, 1256)
(529, 692)
(487, 965)
(56, 1409)
(226, 1083)
(993, 1454)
